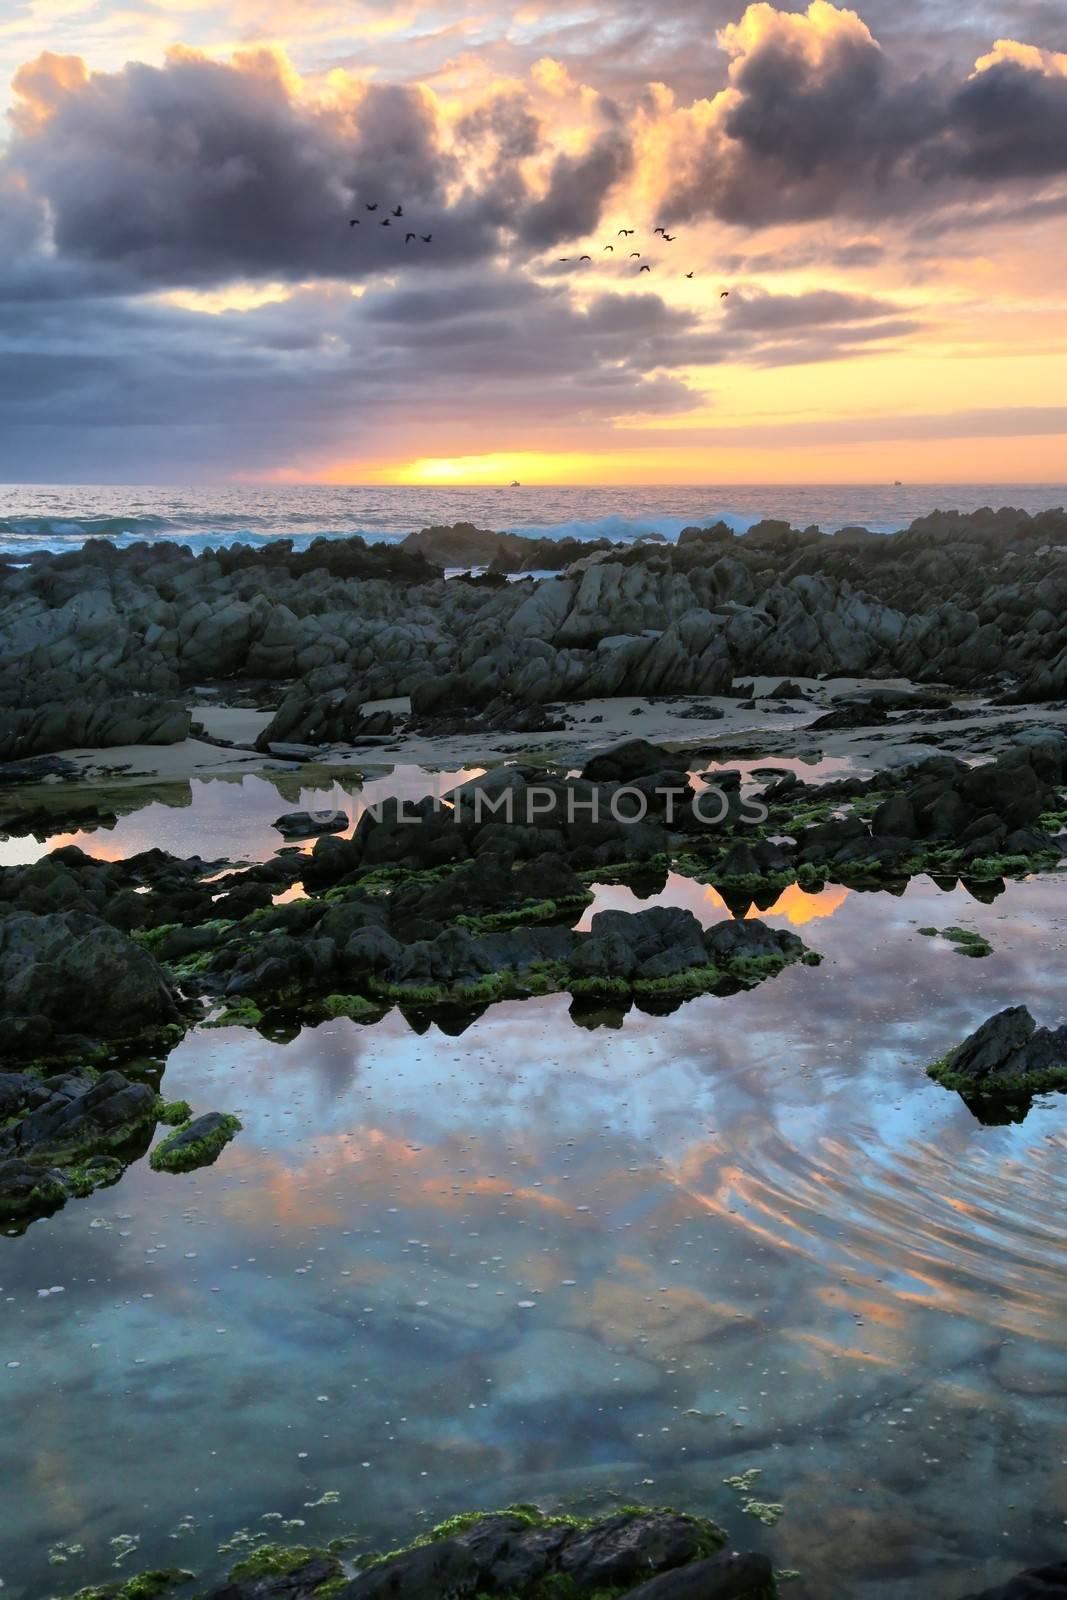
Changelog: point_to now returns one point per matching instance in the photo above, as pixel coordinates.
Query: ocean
(60, 517)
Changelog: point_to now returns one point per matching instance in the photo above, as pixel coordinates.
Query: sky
(863, 280)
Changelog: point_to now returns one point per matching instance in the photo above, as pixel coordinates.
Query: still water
(585, 1266)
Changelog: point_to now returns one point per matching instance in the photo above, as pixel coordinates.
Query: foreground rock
(66, 975)
(1008, 1058)
(521, 1554)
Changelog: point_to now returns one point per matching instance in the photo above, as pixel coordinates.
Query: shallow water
(581, 1265)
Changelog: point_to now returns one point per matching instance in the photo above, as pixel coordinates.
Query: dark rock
(727, 1576)
(1040, 1583)
(1007, 1056)
(68, 973)
(303, 824)
(299, 1583)
(443, 1570)
(634, 758)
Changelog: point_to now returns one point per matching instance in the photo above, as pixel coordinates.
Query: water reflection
(538, 1262)
(232, 816)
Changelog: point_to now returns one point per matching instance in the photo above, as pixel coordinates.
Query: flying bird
(635, 255)
(725, 295)
(624, 233)
(659, 230)
(409, 236)
(585, 258)
(645, 268)
(385, 222)
(564, 258)
(689, 274)
(609, 247)
(354, 222)
(425, 237)
(370, 207)
(669, 238)
(399, 212)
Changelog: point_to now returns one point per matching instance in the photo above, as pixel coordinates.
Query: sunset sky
(882, 192)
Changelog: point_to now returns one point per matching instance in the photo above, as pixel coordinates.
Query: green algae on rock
(197, 1143)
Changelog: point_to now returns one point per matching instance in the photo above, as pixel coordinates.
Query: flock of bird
(397, 215)
(635, 255)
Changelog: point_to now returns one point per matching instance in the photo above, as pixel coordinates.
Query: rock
(634, 758)
(1040, 1583)
(727, 1576)
(299, 1582)
(195, 1144)
(303, 824)
(629, 1548)
(69, 973)
(1008, 1056)
(443, 1570)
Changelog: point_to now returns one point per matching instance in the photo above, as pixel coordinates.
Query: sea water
(36, 517)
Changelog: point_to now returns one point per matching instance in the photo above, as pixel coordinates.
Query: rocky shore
(922, 669)
(102, 646)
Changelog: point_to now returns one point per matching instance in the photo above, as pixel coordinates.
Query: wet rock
(1040, 1583)
(299, 1582)
(69, 973)
(634, 758)
(727, 1576)
(1008, 1056)
(195, 1144)
(628, 1549)
(303, 824)
(443, 1570)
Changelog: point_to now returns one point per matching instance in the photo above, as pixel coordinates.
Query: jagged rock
(1008, 1056)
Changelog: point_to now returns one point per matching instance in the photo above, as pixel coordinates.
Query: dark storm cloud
(198, 172)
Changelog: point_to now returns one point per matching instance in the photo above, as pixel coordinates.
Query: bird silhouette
(425, 237)
(399, 212)
(370, 207)
(659, 230)
(725, 295)
(385, 222)
(635, 255)
(669, 238)
(564, 258)
(354, 222)
(409, 236)
(689, 274)
(645, 268)
(624, 233)
(585, 258)
(609, 247)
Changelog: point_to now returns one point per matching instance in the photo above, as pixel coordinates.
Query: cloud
(814, 122)
(199, 171)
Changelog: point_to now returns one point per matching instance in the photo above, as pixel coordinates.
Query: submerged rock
(1040, 1583)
